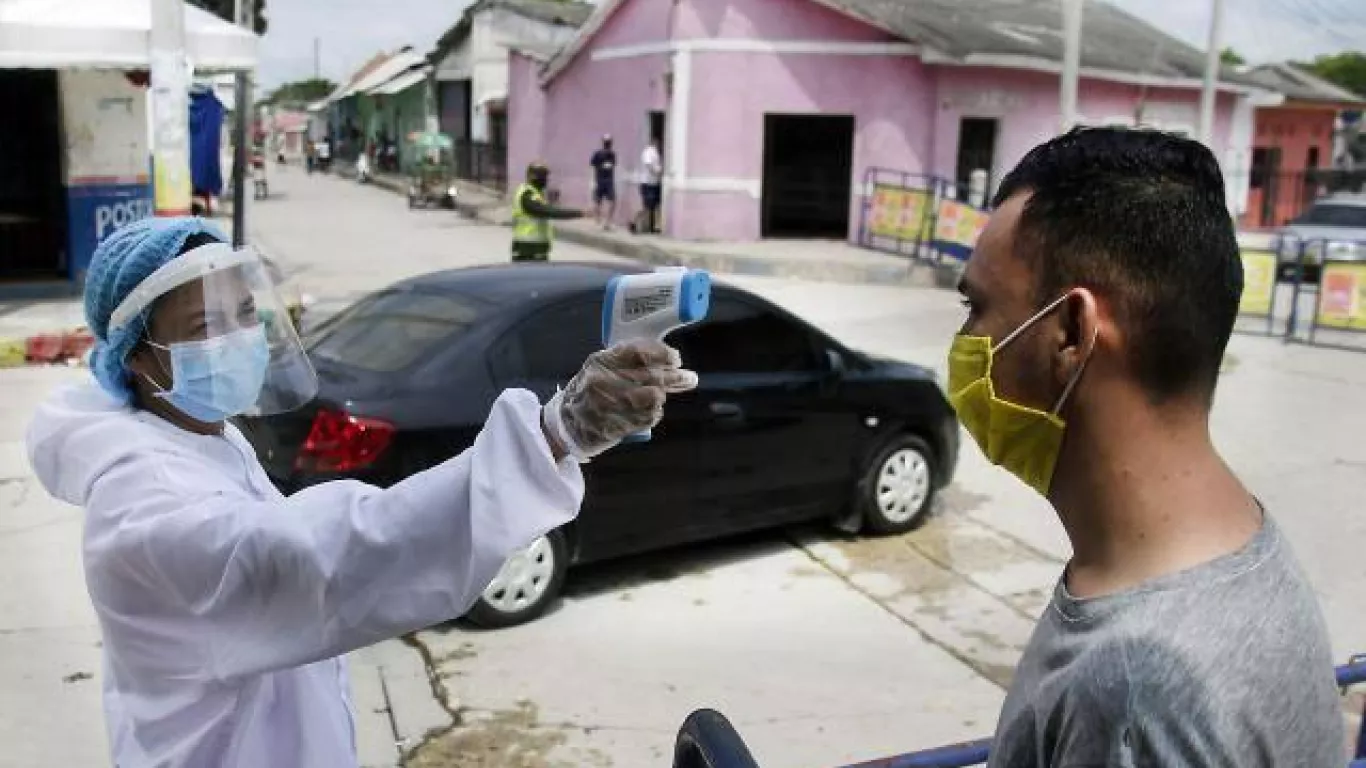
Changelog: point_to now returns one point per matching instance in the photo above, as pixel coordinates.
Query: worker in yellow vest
(532, 232)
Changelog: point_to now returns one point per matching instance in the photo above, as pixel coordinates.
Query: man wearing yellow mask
(1101, 297)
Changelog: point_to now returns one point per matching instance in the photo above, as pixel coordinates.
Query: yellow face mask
(1022, 440)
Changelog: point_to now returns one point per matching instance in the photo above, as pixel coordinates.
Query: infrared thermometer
(653, 304)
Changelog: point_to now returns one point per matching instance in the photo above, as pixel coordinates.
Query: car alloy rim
(903, 485)
(523, 579)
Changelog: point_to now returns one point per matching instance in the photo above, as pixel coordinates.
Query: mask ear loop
(161, 391)
(1076, 377)
(1032, 320)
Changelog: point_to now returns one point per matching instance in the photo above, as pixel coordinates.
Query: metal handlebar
(708, 740)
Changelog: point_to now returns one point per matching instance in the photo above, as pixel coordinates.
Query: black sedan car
(786, 425)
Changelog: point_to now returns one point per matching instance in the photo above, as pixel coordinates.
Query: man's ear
(1080, 321)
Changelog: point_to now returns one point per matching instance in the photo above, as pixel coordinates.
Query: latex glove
(619, 391)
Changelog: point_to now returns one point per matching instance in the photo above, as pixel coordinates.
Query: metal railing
(482, 163)
(1274, 198)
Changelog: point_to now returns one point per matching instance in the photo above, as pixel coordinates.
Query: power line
(1324, 17)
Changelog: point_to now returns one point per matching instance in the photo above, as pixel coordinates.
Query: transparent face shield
(228, 339)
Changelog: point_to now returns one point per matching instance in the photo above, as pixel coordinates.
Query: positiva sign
(1342, 296)
(1259, 282)
(900, 213)
(97, 211)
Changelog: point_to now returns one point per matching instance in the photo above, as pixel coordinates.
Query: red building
(1295, 145)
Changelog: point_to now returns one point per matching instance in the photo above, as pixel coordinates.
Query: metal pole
(1071, 61)
(317, 58)
(240, 155)
(1211, 74)
(170, 109)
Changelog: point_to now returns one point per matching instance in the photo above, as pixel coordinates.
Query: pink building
(773, 112)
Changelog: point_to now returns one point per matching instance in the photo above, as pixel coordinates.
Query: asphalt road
(823, 650)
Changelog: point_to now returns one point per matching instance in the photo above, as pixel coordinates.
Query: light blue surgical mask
(216, 379)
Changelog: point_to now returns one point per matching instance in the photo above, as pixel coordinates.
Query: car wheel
(526, 585)
(898, 486)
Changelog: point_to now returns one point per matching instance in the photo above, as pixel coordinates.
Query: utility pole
(1071, 61)
(170, 109)
(243, 15)
(1212, 62)
(317, 58)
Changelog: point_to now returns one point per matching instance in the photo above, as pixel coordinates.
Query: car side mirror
(834, 363)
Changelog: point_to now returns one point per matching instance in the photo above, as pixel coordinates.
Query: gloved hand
(619, 391)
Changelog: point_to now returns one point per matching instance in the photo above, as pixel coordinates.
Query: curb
(897, 271)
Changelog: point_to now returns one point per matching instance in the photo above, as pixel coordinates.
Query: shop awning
(111, 34)
(401, 83)
(397, 64)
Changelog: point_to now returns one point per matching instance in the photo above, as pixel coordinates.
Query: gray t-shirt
(1224, 664)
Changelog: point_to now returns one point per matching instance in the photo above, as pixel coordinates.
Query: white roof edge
(396, 65)
(1038, 64)
(589, 29)
(401, 82)
(571, 51)
(113, 34)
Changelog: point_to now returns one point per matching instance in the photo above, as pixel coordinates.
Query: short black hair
(194, 241)
(1139, 217)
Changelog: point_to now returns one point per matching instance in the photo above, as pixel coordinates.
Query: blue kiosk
(76, 133)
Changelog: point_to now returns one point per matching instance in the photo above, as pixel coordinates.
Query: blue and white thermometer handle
(652, 305)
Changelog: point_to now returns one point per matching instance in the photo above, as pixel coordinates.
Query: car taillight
(340, 442)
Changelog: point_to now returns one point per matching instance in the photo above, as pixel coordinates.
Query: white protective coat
(225, 606)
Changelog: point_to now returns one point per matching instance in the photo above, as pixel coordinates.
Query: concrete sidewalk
(819, 260)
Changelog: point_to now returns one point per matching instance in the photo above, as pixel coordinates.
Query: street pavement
(823, 650)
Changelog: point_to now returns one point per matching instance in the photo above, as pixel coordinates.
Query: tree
(301, 92)
(1346, 70)
(225, 8)
(1231, 58)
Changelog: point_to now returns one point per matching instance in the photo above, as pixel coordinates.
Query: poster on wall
(170, 130)
(899, 213)
(1341, 301)
(106, 159)
(957, 228)
(96, 210)
(1259, 283)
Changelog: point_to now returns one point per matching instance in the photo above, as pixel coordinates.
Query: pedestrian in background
(604, 164)
(651, 185)
(532, 233)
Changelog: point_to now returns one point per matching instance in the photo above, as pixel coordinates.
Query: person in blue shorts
(604, 165)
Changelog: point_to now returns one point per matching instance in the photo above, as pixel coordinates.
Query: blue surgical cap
(126, 258)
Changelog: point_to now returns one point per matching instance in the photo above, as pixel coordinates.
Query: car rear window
(1336, 216)
(392, 331)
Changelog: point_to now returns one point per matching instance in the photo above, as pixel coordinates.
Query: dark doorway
(657, 128)
(1266, 176)
(455, 108)
(498, 125)
(808, 175)
(976, 151)
(32, 205)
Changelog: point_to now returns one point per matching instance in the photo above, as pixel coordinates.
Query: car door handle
(726, 411)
